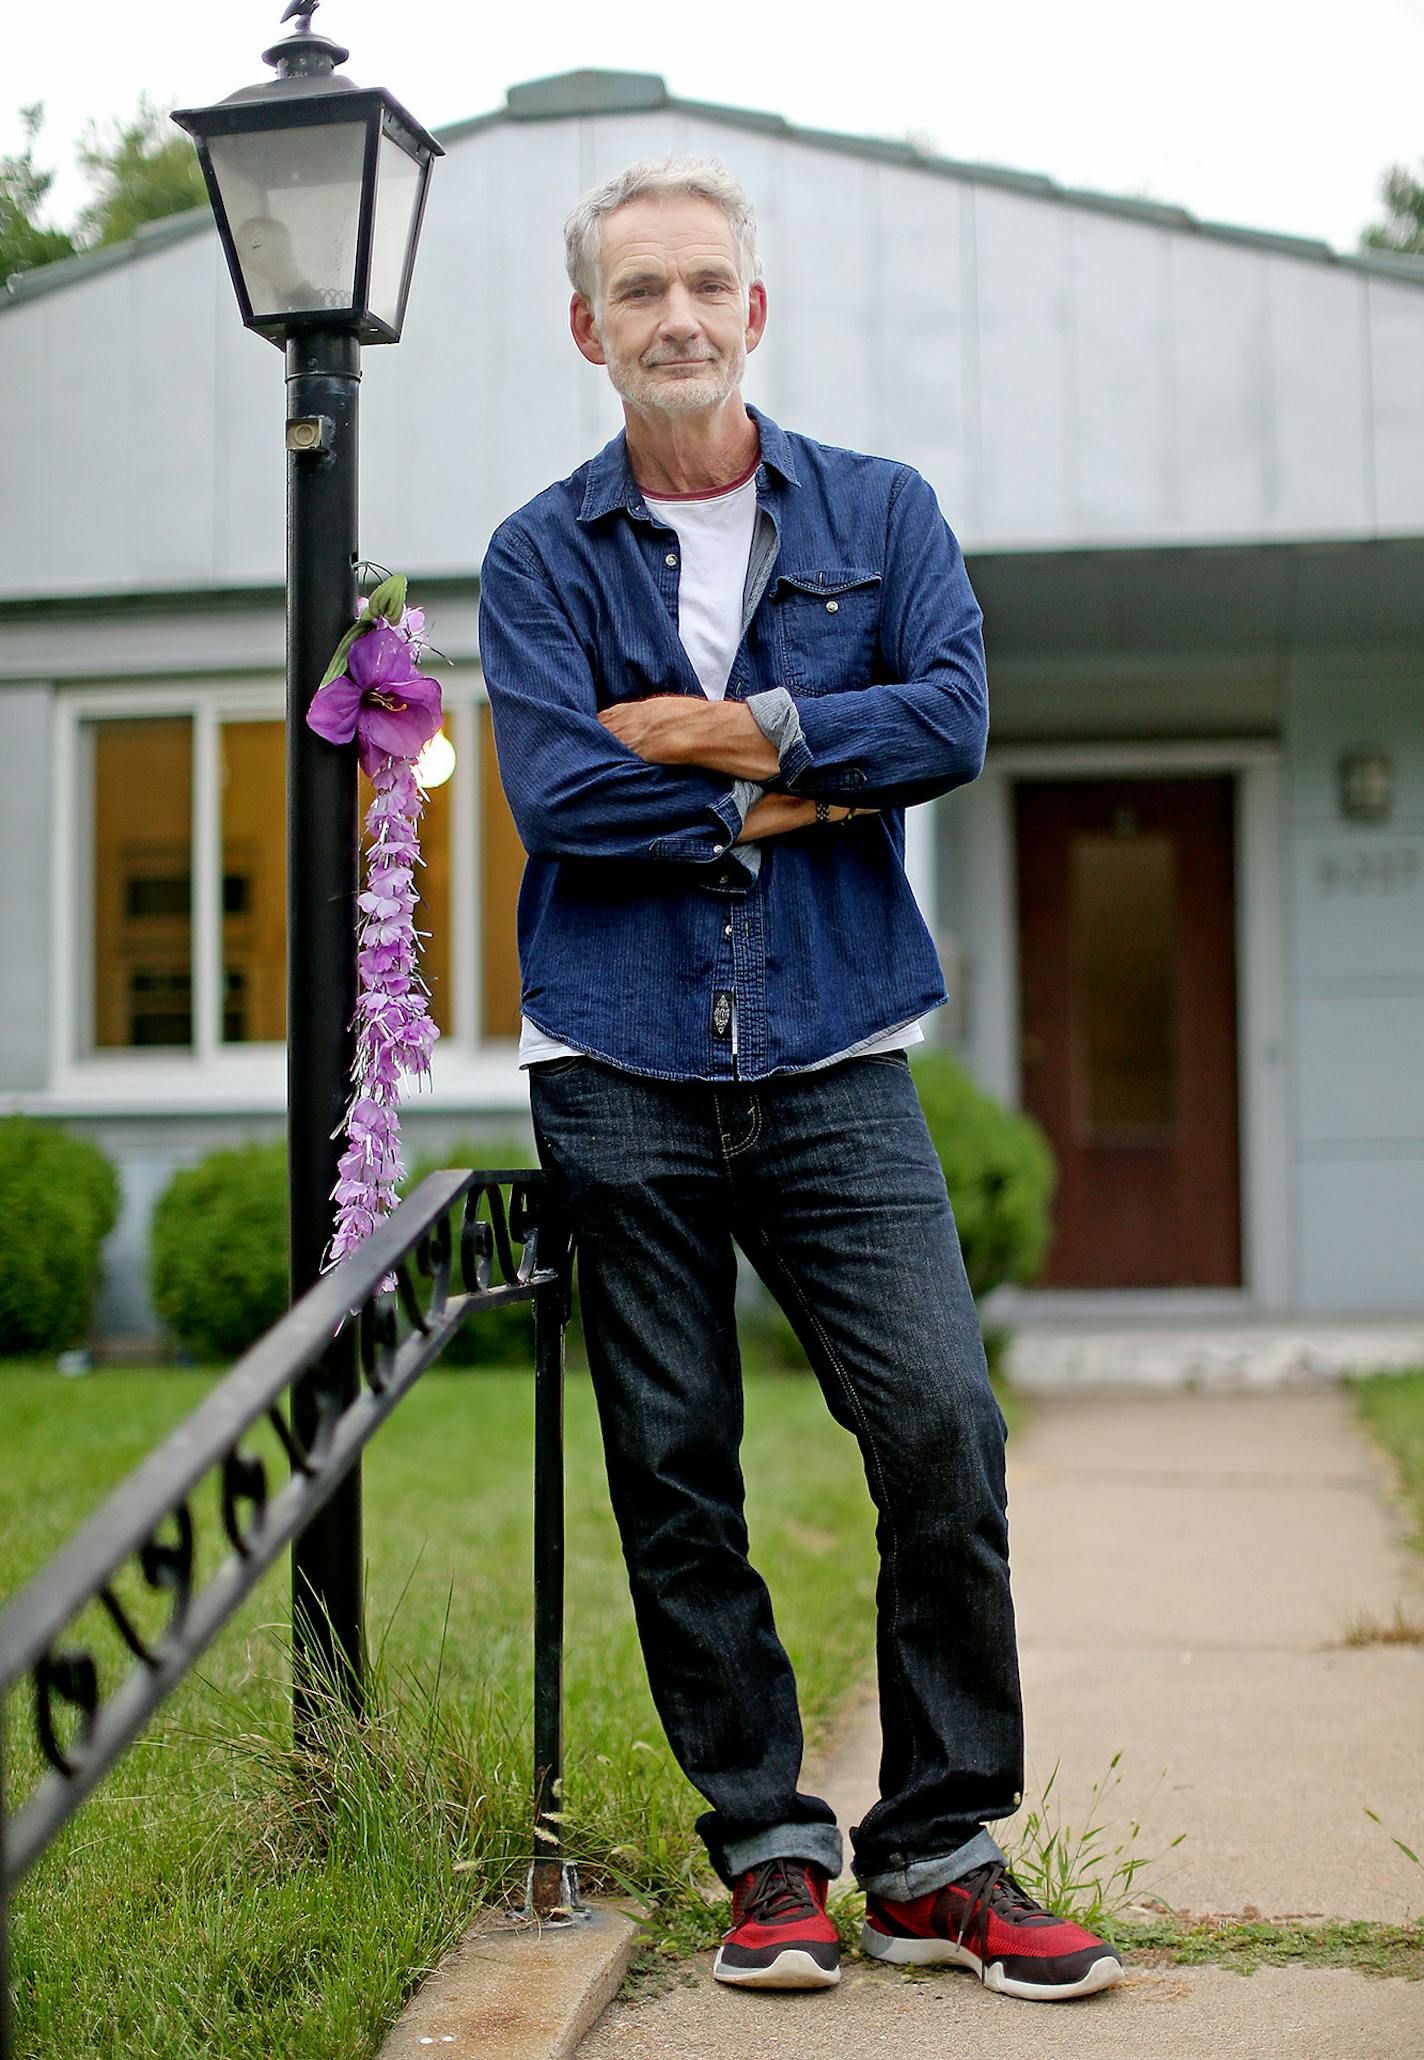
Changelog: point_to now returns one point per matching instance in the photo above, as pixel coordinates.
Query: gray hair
(706, 177)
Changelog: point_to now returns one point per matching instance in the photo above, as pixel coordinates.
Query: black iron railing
(452, 1250)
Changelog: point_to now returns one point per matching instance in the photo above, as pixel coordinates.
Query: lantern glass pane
(293, 203)
(397, 197)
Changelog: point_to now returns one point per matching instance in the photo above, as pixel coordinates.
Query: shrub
(999, 1171)
(59, 1198)
(218, 1250)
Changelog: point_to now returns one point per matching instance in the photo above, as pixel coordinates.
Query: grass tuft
(1088, 1871)
(1403, 1628)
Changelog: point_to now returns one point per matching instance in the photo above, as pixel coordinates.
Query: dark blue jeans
(829, 1183)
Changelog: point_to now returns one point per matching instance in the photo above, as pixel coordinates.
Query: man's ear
(756, 313)
(585, 330)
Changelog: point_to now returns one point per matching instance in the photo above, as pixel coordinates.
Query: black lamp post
(318, 187)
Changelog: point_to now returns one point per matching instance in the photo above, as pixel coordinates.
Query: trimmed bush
(999, 1171)
(59, 1199)
(218, 1250)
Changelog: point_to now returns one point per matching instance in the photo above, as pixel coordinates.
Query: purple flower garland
(373, 692)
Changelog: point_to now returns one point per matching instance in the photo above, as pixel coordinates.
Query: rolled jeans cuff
(921, 1877)
(820, 1844)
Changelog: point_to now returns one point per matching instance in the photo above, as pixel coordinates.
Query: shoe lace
(776, 1891)
(991, 1888)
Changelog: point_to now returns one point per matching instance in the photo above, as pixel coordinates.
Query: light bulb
(436, 762)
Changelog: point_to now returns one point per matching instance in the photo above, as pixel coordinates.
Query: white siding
(1065, 376)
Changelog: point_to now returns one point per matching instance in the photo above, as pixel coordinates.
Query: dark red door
(1127, 1010)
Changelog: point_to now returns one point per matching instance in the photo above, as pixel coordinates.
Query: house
(1181, 913)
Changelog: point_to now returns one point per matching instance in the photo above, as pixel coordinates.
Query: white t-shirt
(715, 533)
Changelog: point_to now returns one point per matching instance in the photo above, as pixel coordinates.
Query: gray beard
(649, 395)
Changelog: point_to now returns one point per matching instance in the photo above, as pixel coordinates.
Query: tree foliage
(1403, 227)
(141, 171)
(24, 240)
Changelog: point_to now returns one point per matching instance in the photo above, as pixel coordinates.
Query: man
(722, 660)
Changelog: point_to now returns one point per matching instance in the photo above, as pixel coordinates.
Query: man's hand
(681, 729)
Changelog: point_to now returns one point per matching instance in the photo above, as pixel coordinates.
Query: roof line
(574, 95)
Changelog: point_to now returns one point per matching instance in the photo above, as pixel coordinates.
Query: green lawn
(1392, 1404)
(217, 1898)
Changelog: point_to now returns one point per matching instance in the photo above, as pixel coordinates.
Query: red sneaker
(987, 1922)
(781, 1936)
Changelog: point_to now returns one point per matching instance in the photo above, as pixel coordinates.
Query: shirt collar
(611, 483)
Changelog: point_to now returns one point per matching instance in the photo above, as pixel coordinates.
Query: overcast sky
(1275, 114)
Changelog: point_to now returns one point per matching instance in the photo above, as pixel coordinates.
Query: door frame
(990, 953)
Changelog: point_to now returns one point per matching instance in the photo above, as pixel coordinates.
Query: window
(253, 814)
(501, 863)
(142, 884)
(180, 941)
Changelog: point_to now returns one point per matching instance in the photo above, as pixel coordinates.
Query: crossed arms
(659, 778)
(717, 736)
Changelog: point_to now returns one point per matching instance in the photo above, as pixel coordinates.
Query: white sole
(942, 1952)
(790, 1969)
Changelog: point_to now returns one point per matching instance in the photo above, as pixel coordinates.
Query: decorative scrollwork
(490, 1237)
(379, 1341)
(135, 1641)
(410, 1301)
(244, 1479)
(74, 1678)
(169, 1564)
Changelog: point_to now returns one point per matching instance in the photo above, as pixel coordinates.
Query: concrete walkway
(1187, 1568)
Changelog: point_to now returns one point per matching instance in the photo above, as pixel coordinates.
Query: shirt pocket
(827, 628)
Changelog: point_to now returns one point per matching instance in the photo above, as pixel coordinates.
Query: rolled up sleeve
(576, 791)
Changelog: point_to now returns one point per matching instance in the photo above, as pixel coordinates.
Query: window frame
(467, 1067)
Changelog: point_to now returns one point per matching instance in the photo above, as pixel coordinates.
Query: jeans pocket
(554, 1069)
(899, 1057)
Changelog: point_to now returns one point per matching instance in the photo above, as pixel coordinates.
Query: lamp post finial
(305, 54)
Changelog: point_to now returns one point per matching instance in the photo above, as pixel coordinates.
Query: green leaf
(338, 657)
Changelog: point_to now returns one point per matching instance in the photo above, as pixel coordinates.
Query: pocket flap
(840, 580)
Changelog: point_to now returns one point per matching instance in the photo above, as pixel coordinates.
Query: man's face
(674, 329)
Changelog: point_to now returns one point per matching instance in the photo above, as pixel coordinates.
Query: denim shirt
(644, 938)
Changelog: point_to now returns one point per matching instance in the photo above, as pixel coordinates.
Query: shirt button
(832, 607)
(671, 558)
(718, 849)
(728, 931)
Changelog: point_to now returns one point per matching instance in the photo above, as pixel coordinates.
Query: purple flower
(393, 712)
(390, 708)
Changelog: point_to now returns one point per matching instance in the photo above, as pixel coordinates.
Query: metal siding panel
(27, 494)
(1359, 1234)
(166, 505)
(1320, 396)
(250, 408)
(1026, 374)
(85, 399)
(1359, 1079)
(1225, 457)
(1396, 330)
(1124, 458)
(919, 324)
(826, 265)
